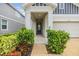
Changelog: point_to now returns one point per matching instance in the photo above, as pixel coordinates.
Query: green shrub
(7, 44)
(57, 40)
(10, 41)
(26, 35)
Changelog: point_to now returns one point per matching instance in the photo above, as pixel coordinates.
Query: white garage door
(72, 27)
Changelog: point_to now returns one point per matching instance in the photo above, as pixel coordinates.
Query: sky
(19, 6)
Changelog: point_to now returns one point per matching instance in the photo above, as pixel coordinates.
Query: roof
(15, 9)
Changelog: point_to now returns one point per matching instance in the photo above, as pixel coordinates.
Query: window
(4, 24)
(61, 5)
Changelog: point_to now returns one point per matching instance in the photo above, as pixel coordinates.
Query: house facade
(39, 17)
(11, 19)
(60, 16)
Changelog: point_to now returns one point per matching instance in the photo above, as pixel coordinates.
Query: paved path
(39, 50)
(40, 39)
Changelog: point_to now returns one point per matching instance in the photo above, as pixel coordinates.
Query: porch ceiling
(38, 15)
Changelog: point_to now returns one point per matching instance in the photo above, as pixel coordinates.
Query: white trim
(1, 25)
(11, 19)
(66, 18)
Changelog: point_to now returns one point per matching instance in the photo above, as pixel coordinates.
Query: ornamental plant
(7, 44)
(25, 35)
(57, 40)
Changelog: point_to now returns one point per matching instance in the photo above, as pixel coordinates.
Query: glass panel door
(39, 28)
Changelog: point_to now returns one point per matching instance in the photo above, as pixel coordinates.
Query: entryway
(39, 18)
(39, 26)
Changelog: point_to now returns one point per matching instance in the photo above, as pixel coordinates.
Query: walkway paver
(39, 50)
(40, 39)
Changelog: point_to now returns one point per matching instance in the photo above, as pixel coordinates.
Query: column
(50, 20)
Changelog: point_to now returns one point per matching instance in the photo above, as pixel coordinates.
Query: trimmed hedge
(26, 35)
(57, 40)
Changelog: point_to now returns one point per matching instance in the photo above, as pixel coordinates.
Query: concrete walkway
(40, 39)
(39, 50)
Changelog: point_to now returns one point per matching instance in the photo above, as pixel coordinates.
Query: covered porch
(39, 19)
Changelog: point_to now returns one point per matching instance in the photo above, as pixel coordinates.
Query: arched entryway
(39, 17)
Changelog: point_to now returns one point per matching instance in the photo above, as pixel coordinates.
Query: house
(11, 19)
(60, 16)
(41, 16)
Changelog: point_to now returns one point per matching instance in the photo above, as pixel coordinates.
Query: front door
(39, 28)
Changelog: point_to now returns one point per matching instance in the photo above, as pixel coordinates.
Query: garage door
(71, 27)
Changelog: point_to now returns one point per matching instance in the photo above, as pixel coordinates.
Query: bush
(7, 44)
(57, 40)
(26, 35)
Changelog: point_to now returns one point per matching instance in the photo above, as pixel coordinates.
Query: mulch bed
(24, 49)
